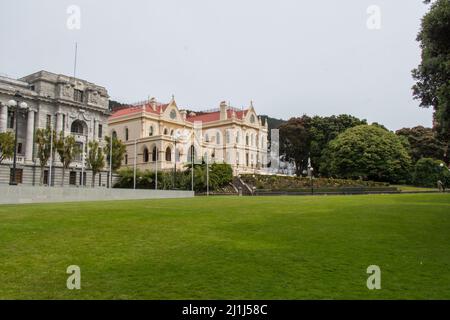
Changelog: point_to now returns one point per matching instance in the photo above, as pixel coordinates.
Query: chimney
(153, 103)
(223, 110)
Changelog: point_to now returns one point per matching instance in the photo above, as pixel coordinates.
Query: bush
(428, 171)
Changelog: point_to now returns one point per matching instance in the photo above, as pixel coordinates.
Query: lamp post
(17, 105)
(177, 136)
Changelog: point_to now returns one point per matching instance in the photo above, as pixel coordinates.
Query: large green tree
(118, 152)
(423, 143)
(44, 148)
(67, 149)
(6, 145)
(295, 141)
(305, 137)
(95, 159)
(433, 74)
(367, 152)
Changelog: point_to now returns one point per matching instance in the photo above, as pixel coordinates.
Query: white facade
(69, 105)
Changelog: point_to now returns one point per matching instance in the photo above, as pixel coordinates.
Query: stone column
(3, 117)
(58, 123)
(30, 135)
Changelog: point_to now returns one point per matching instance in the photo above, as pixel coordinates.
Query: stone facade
(66, 104)
(159, 135)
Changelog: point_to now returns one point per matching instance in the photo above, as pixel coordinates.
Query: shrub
(428, 171)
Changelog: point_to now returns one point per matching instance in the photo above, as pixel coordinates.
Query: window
(100, 131)
(64, 123)
(77, 127)
(126, 134)
(218, 137)
(11, 119)
(19, 175)
(177, 155)
(78, 95)
(73, 178)
(145, 155)
(166, 131)
(83, 178)
(48, 121)
(206, 137)
(237, 137)
(247, 140)
(168, 154)
(126, 159)
(114, 134)
(19, 148)
(150, 131)
(246, 159)
(253, 140)
(45, 177)
(154, 154)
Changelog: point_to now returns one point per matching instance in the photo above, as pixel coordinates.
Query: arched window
(150, 131)
(126, 134)
(145, 155)
(78, 127)
(253, 140)
(238, 134)
(166, 132)
(168, 154)
(218, 137)
(247, 140)
(190, 154)
(114, 134)
(154, 154)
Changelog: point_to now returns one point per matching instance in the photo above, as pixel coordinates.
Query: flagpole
(110, 160)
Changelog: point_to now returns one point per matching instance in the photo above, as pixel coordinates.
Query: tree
(305, 137)
(43, 141)
(295, 141)
(325, 129)
(118, 151)
(428, 171)
(433, 74)
(95, 159)
(422, 143)
(367, 152)
(6, 145)
(67, 149)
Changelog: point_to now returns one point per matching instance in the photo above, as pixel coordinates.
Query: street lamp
(18, 106)
(177, 136)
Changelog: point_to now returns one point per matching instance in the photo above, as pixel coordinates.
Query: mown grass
(229, 248)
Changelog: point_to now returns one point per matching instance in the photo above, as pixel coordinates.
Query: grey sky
(290, 57)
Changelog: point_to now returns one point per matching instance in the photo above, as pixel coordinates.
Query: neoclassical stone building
(163, 136)
(66, 104)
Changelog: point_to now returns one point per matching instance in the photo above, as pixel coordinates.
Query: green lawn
(229, 248)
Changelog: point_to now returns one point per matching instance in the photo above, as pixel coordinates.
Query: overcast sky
(289, 56)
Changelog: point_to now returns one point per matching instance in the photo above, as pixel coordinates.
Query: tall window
(100, 131)
(11, 119)
(154, 154)
(48, 121)
(64, 123)
(150, 131)
(145, 155)
(19, 148)
(126, 159)
(78, 95)
(168, 154)
(126, 134)
(218, 137)
(73, 178)
(247, 140)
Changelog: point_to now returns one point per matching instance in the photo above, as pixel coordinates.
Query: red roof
(215, 116)
(159, 108)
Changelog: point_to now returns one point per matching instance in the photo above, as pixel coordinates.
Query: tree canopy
(422, 143)
(367, 152)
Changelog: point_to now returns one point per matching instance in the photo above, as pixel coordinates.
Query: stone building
(164, 136)
(66, 104)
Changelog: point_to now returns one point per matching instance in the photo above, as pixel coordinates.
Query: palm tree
(67, 149)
